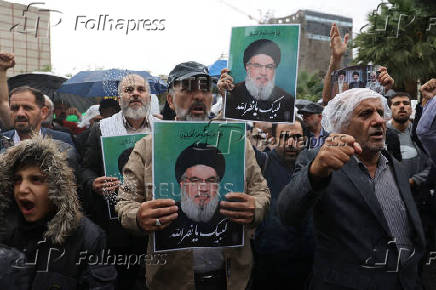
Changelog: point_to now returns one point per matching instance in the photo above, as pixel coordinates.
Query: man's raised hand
(7, 60)
(225, 83)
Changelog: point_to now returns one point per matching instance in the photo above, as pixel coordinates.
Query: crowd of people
(341, 198)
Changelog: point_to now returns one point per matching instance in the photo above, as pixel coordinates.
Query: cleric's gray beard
(137, 114)
(197, 213)
(262, 93)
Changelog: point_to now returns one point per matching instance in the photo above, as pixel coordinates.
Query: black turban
(263, 46)
(200, 154)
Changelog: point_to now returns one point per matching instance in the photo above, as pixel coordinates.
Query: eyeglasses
(258, 66)
(198, 180)
(195, 83)
(131, 89)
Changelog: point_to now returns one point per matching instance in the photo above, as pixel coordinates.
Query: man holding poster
(195, 268)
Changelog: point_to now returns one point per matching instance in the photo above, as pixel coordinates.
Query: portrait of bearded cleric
(199, 170)
(258, 98)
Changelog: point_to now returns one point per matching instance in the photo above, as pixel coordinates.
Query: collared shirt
(316, 142)
(17, 138)
(144, 128)
(391, 203)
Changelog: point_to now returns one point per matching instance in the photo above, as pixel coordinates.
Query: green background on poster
(112, 147)
(171, 138)
(286, 37)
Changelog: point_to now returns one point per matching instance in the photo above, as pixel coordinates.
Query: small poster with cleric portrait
(357, 76)
(116, 151)
(263, 62)
(196, 164)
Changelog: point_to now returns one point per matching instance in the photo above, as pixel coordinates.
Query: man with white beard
(258, 98)
(190, 96)
(98, 189)
(199, 169)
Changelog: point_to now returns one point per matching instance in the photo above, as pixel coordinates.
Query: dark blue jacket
(57, 135)
(272, 236)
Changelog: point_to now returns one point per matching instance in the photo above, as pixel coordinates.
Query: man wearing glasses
(190, 96)
(258, 98)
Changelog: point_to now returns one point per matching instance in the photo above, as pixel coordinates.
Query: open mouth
(377, 135)
(26, 206)
(198, 109)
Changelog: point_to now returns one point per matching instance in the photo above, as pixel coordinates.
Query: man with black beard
(199, 169)
(417, 165)
(414, 158)
(258, 98)
(99, 190)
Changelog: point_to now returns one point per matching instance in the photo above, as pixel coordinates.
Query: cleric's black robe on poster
(184, 233)
(241, 105)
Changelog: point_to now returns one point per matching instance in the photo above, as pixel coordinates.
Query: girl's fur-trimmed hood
(62, 188)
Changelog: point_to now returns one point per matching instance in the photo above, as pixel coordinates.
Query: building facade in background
(315, 37)
(25, 32)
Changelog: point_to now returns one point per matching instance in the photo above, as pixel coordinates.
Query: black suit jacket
(354, 245)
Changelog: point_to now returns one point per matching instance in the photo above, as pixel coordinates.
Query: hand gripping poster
(263, 62)
(196, 164)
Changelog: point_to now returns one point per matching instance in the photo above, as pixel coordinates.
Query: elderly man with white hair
(100, 190)
(369, 234)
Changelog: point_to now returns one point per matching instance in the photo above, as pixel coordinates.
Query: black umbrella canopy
(48, 84)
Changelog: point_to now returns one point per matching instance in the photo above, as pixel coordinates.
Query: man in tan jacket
(206, 268)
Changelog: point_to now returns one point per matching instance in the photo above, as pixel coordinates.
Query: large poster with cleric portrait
(196, 164)
(263, 62)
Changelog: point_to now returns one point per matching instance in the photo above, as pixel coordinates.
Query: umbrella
(48, 84)
(105, 83)
(215, 69)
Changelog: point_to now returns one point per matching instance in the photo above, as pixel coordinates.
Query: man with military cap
(199, 170)
(258, 98)
(312, 116)
(190, 96)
